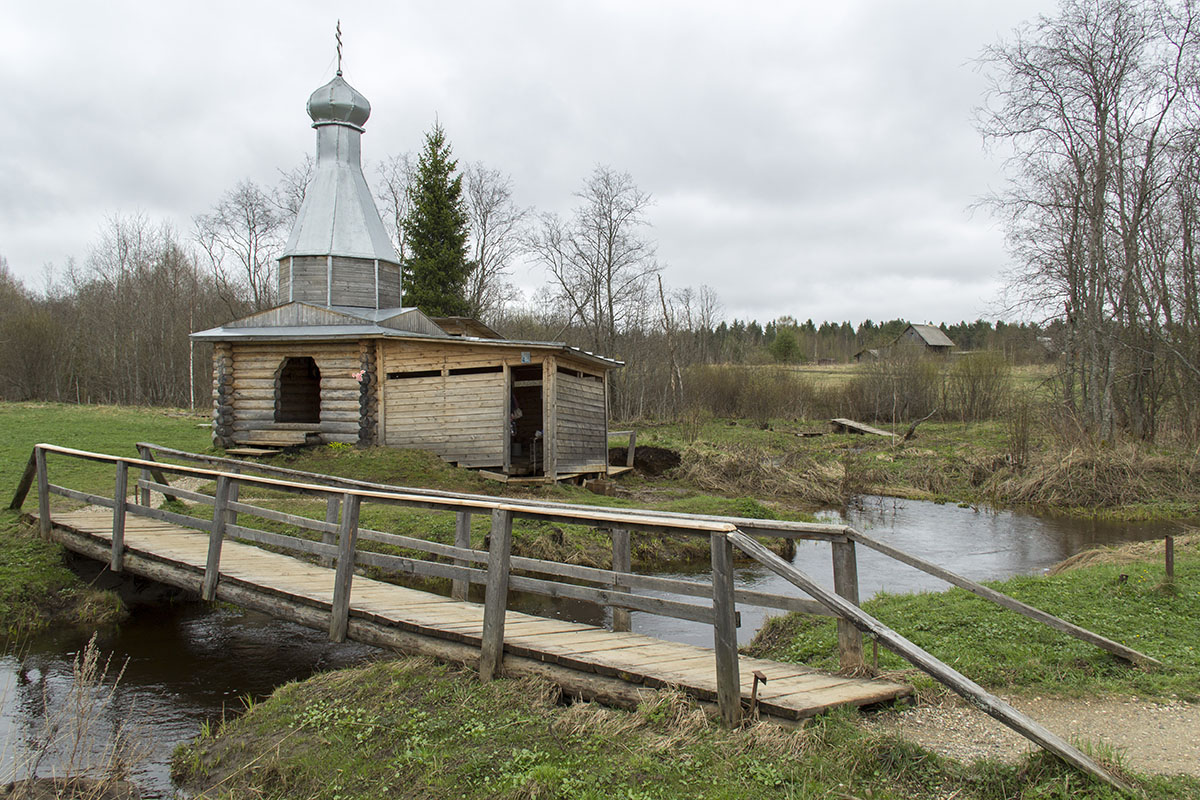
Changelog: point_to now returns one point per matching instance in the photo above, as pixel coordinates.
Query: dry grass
(758, 472)
(1133, 552)
(1096, 476)
(79, 753)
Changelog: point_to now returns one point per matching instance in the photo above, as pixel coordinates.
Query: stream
(188, 663)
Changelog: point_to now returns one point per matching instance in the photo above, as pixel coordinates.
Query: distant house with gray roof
(930, 337)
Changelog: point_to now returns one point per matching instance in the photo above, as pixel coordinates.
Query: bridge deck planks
(792, 691)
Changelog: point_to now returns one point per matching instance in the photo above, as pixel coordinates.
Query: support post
(43, 481)
(339, 617)
(632, 446)
(729, 697)
(332, 504)
(845, 583)
(118, 524)
(231, 516)
(26, 481)
(462, 538)
(621, 562)
(208, 590)
(496, 598)
(144, 495)
(1169, 547)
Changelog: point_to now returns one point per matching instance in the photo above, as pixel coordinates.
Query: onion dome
(337, 102)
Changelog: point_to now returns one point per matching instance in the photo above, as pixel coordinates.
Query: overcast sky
(817, 160)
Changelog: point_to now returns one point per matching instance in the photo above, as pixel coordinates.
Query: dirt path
(1153, 737)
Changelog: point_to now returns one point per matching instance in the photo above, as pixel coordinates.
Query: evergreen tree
(435, 230)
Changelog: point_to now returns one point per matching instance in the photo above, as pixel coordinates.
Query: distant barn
(341, 361)
(929, 338)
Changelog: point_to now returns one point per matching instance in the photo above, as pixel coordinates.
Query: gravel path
(1153, 737)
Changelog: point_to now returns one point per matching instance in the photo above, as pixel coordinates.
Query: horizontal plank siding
(459, 417)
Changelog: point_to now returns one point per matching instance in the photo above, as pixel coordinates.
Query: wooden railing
(499, 570)
(342, 539)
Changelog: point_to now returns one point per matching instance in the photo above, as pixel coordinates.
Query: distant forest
(115, 330)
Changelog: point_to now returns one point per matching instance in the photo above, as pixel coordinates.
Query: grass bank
(413, 728)
(1120, 593)
(115, 430)
(981, 462)
(36, 588)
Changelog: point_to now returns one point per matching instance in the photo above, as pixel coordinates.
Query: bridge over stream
(312, 574)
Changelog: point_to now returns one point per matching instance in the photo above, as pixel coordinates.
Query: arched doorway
(298, 391)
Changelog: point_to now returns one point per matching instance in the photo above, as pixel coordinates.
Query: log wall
(222, 428)
(255, 372)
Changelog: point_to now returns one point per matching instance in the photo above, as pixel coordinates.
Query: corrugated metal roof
(310, 333)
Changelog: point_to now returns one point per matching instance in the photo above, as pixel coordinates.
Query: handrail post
(621, 562)
(845, 583)
(459, 589)
(231, 516)
(216, 535)
(43, 482)
(339, 616)
(491, 651)
(26, 481)
(729, 693)
(146, 455)
(118, 525)
(332, 504)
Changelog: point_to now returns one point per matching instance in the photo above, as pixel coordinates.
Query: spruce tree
(435, 231)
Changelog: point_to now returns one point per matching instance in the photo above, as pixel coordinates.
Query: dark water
(186, 663)
(183, 664)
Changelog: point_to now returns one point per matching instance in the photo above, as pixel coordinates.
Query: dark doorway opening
(298, 391)
(527, 439)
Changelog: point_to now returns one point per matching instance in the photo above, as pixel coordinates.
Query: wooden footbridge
(308, 574)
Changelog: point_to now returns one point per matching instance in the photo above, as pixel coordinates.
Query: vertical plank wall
(581, 427)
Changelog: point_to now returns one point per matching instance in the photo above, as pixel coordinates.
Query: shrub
(976, 386)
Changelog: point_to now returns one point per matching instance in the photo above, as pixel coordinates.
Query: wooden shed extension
(301, 373)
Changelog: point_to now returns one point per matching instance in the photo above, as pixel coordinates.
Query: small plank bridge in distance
(308, 576)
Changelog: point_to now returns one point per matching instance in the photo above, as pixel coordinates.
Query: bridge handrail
(972, 692)
(789, 529)
(724, 534)
(824, 531)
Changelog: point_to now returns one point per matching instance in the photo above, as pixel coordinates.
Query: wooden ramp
(161, 550)
(841, 425)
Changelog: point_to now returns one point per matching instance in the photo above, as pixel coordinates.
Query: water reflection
(182, 664)
(975, 542)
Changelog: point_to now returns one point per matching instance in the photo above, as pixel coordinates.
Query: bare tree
(496, 238)
(1091, 102)
(242, 237)
(600, 261)
(290, 190)
(396, 175)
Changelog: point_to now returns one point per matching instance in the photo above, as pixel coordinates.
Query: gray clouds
(810, 161)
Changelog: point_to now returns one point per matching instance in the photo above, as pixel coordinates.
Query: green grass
(37, 590)
(106, 429)
(1003, 650)
(412, 728)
